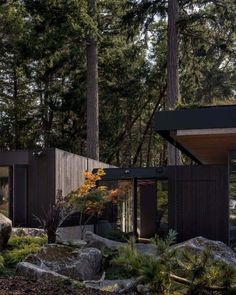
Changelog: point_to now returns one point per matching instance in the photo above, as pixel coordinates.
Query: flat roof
(206, 134)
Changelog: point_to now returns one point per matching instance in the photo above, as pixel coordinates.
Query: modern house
(30, 181)
(194, 200)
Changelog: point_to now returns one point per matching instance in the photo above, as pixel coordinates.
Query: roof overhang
(205, 134)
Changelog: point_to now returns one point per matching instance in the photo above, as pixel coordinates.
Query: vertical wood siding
(199, 202)
(70, 170)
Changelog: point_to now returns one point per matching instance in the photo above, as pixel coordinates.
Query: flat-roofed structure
(206, 134)
(31, 179)
(194, 200)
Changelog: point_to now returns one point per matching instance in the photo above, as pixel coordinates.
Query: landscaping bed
(16, 285)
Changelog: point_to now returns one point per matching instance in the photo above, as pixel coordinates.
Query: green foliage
(150, 270)
(117, 235)
(19, 248)
(1, 264)
(204, 271)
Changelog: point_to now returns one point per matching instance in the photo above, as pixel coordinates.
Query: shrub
(54, 217)
(20, 247)
(117, 235)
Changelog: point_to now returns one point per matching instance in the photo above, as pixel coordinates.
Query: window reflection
(4, 190)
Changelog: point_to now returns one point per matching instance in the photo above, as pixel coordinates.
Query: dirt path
(19, 286)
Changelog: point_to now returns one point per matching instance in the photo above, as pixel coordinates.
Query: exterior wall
(199, 202)
(10, 158)
(70, 169)
(41, 184)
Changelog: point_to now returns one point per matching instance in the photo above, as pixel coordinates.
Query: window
(4, 190)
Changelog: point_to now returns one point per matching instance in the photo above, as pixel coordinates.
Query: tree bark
(173, 94)
(92, 92)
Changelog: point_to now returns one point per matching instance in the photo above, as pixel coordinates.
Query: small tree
(90, 199)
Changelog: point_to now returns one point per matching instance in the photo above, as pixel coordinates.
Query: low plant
(117, 235)
(53, 218)
(205, 275)
(152, 271)
(19, 248)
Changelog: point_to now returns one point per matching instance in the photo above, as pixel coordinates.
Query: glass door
(125, 206)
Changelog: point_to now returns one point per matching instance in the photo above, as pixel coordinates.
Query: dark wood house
(194, 200)
(30, 181)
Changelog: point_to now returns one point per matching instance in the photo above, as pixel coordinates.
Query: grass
(18, 248)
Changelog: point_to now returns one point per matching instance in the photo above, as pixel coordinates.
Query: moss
(18, 249)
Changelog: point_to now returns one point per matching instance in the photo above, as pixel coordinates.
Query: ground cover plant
(172, 271)
(18, 248)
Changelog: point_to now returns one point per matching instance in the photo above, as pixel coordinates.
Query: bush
(1, 264)
(117, 235)
(19, 248)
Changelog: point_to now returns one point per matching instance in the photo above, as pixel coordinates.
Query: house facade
(30, 181)
(194, 200)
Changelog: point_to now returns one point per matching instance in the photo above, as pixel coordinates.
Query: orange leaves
(90, 181)
(115, 195)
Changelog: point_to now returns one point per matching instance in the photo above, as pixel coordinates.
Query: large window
(4, 190)
(125, 207)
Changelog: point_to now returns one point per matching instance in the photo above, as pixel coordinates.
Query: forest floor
(15, 285)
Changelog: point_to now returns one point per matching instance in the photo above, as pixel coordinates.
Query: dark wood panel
(41, 184)
(199, 203)
(10, 158)
(148, 209)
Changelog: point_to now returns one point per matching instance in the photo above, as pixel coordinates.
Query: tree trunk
(92, 92)
(173, 94)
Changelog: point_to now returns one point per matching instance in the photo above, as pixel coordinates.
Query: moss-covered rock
(5, 231)
(79, 264)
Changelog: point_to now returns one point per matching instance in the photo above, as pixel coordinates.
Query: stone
(118, 286)
(78, 264)
(219, 250)
(96, 241)
(5, 231)
(33, 272)
(23, 232)
(73, 243)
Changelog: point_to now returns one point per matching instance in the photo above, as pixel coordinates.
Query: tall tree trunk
(92, 92)
(173, 94)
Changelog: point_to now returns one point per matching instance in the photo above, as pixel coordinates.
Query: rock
(79, 264)
(34, 272)
(118, 286)
(96, 241)
(5, 231)
(219, 250)
(73, 243)
(23, 232)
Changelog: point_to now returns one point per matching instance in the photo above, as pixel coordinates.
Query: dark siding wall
(148, 209)
(13, 158)
(41, 184)
(199, 203)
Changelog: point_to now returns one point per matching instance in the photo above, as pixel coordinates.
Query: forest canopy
(43, 71)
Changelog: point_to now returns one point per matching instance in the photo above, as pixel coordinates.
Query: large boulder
(96, 241)
(118, 286)
(219, 250)
(5, 231)
(79, 264)
(33, 272)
